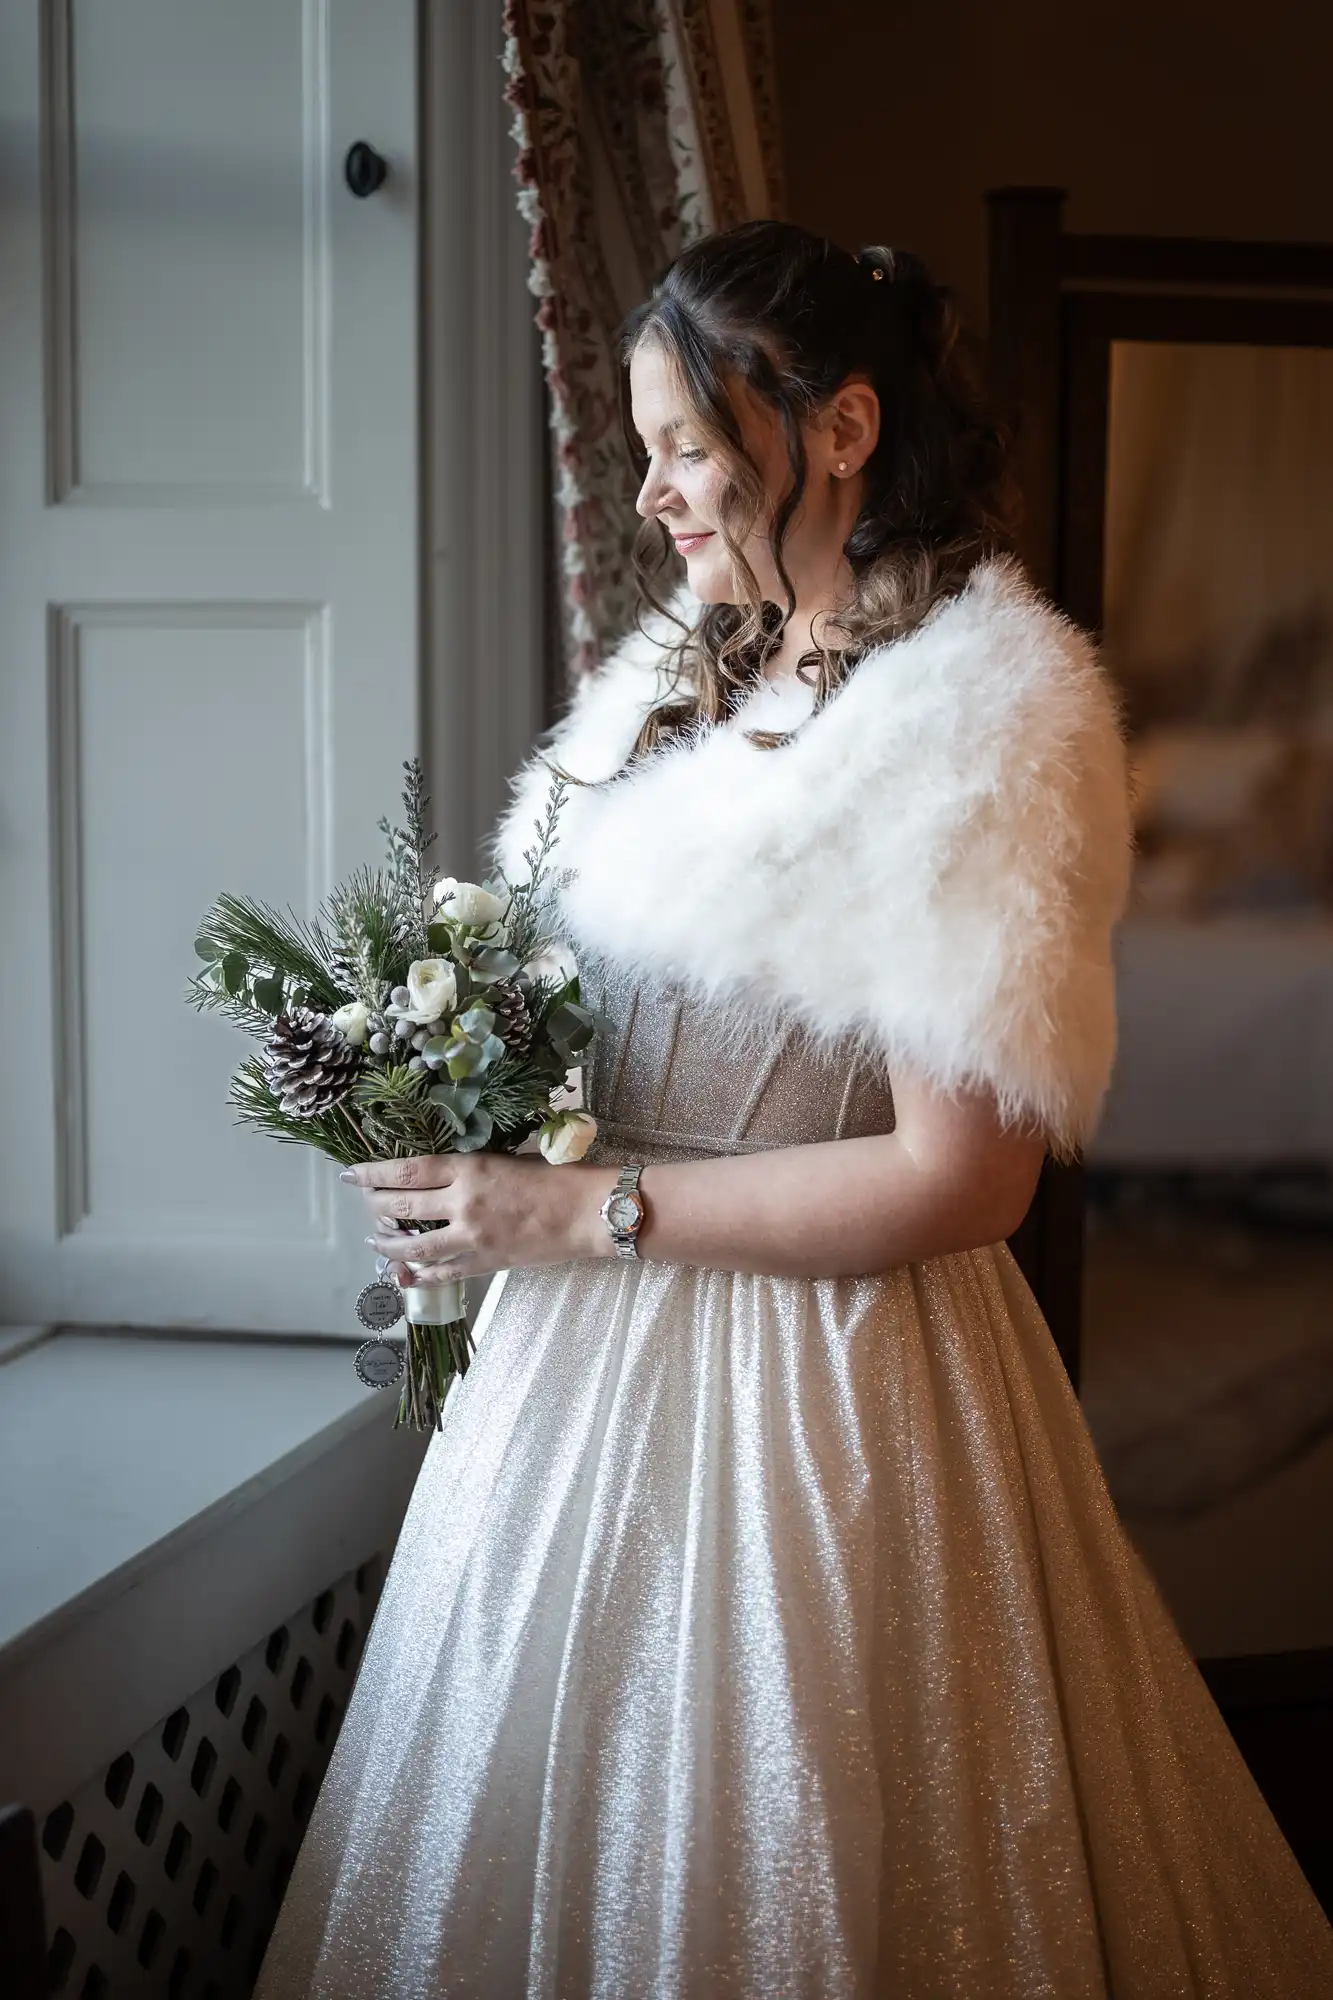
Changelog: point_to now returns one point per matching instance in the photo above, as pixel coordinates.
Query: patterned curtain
(640, 125)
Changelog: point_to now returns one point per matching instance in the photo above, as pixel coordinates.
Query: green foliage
(528, 933)
(409, 856)
(518, 1097)
(394, 1111)
(333, 1132)
(245, 938)
(471, 1091)
(375, 924)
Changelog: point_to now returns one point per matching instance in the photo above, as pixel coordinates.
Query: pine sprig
(518, 1097)
(335, 1132)
(527, 931)
(395, 1114)
(373, 923)
(291, 949)
(409, 852)
(206, 995)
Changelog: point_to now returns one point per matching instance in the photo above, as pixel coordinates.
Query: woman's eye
(690, 457)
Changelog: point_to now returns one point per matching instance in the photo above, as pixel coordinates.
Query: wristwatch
(622, 1212)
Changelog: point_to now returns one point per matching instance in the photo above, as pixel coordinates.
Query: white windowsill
(164, 1501)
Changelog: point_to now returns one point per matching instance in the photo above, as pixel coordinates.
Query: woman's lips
(686, 543)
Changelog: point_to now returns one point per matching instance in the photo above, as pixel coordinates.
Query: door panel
(208, 611)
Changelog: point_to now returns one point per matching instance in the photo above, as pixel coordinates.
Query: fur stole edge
(931, 868)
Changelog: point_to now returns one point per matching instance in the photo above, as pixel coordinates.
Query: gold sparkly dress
(756, 1636)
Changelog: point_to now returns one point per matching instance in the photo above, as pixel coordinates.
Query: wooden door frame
(1057, 301)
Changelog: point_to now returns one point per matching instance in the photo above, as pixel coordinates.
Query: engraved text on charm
(379, 1306)
(380, 1363)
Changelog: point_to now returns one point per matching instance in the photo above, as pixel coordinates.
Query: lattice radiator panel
(163, 1876)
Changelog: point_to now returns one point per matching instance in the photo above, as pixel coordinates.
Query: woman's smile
(686, 544)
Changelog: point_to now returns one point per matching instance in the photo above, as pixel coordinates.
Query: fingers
(433, 1251)
(389, 1206)
(434, 1170)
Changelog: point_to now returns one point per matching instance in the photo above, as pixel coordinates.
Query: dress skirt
(755, 1636)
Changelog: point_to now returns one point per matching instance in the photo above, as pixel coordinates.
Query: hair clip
(876, 272)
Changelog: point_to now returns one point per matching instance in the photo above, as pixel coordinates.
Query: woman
(761, 1625)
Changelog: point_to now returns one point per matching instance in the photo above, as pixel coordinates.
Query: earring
(842, 465)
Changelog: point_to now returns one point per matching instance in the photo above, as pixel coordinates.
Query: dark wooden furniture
(1058, 302)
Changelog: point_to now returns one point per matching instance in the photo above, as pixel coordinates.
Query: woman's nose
(651, 495)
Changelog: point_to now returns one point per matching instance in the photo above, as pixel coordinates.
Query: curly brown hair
(793, 316)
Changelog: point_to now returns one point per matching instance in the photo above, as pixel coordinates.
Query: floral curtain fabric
(640, 125)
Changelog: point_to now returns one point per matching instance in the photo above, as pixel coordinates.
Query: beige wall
(1163, 117)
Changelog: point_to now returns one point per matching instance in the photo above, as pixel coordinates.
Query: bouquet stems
(435, 1354)
(439, 1347)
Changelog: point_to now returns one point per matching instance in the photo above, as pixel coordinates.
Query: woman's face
(686, 480)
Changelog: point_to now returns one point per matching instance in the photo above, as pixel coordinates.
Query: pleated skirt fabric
(755, 1636)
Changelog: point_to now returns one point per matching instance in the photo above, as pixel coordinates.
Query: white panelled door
(208, 612)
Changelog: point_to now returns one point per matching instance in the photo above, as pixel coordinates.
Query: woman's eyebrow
(667, 429)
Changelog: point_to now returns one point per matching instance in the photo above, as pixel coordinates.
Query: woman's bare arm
(948, 1178)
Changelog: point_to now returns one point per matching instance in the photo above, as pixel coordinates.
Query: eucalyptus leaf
(460, 1097)
(440, 938)
(494, 962)
(235, 966)
(268, 994)
(205, 947)
(571, 1028)
(476, 1023)
(478, 1134)
(465, 1059)
(440, 1097)
(436, 1051)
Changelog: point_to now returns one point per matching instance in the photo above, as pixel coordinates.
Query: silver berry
(401, 997)
(417, 1062)
(379, 1045)
(404, 1030)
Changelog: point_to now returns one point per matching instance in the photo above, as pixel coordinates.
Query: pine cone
(513, 1019)
(310, 1067)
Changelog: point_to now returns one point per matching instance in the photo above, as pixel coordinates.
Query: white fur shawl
(933, 864)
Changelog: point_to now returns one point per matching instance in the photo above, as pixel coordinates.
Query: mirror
(1208, 1318)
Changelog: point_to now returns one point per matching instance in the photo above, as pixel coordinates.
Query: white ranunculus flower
(431, 989)
(352, 1022)
(444, 888)
(567, 1137)
(469, 903)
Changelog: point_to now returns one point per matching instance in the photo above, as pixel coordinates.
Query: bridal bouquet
(410, 1017)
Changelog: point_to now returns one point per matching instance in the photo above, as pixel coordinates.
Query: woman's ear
(848, 430)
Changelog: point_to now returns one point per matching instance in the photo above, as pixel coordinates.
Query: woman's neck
(798, 638)
(823, 585)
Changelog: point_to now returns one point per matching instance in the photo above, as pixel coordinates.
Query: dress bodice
(671, 1076)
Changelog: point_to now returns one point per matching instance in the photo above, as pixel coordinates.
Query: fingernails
(347, 1174)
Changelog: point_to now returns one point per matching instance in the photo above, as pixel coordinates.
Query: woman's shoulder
(997, 662)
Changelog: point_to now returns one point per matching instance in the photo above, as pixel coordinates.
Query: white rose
(567, 1137)
(468, 902)
(352, 1022)
(431, 990)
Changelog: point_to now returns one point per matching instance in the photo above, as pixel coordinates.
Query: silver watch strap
(627, 1183)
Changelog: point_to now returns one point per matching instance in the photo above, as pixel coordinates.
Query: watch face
(622, 1212)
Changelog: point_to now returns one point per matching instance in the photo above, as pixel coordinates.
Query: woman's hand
(497, 1212)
